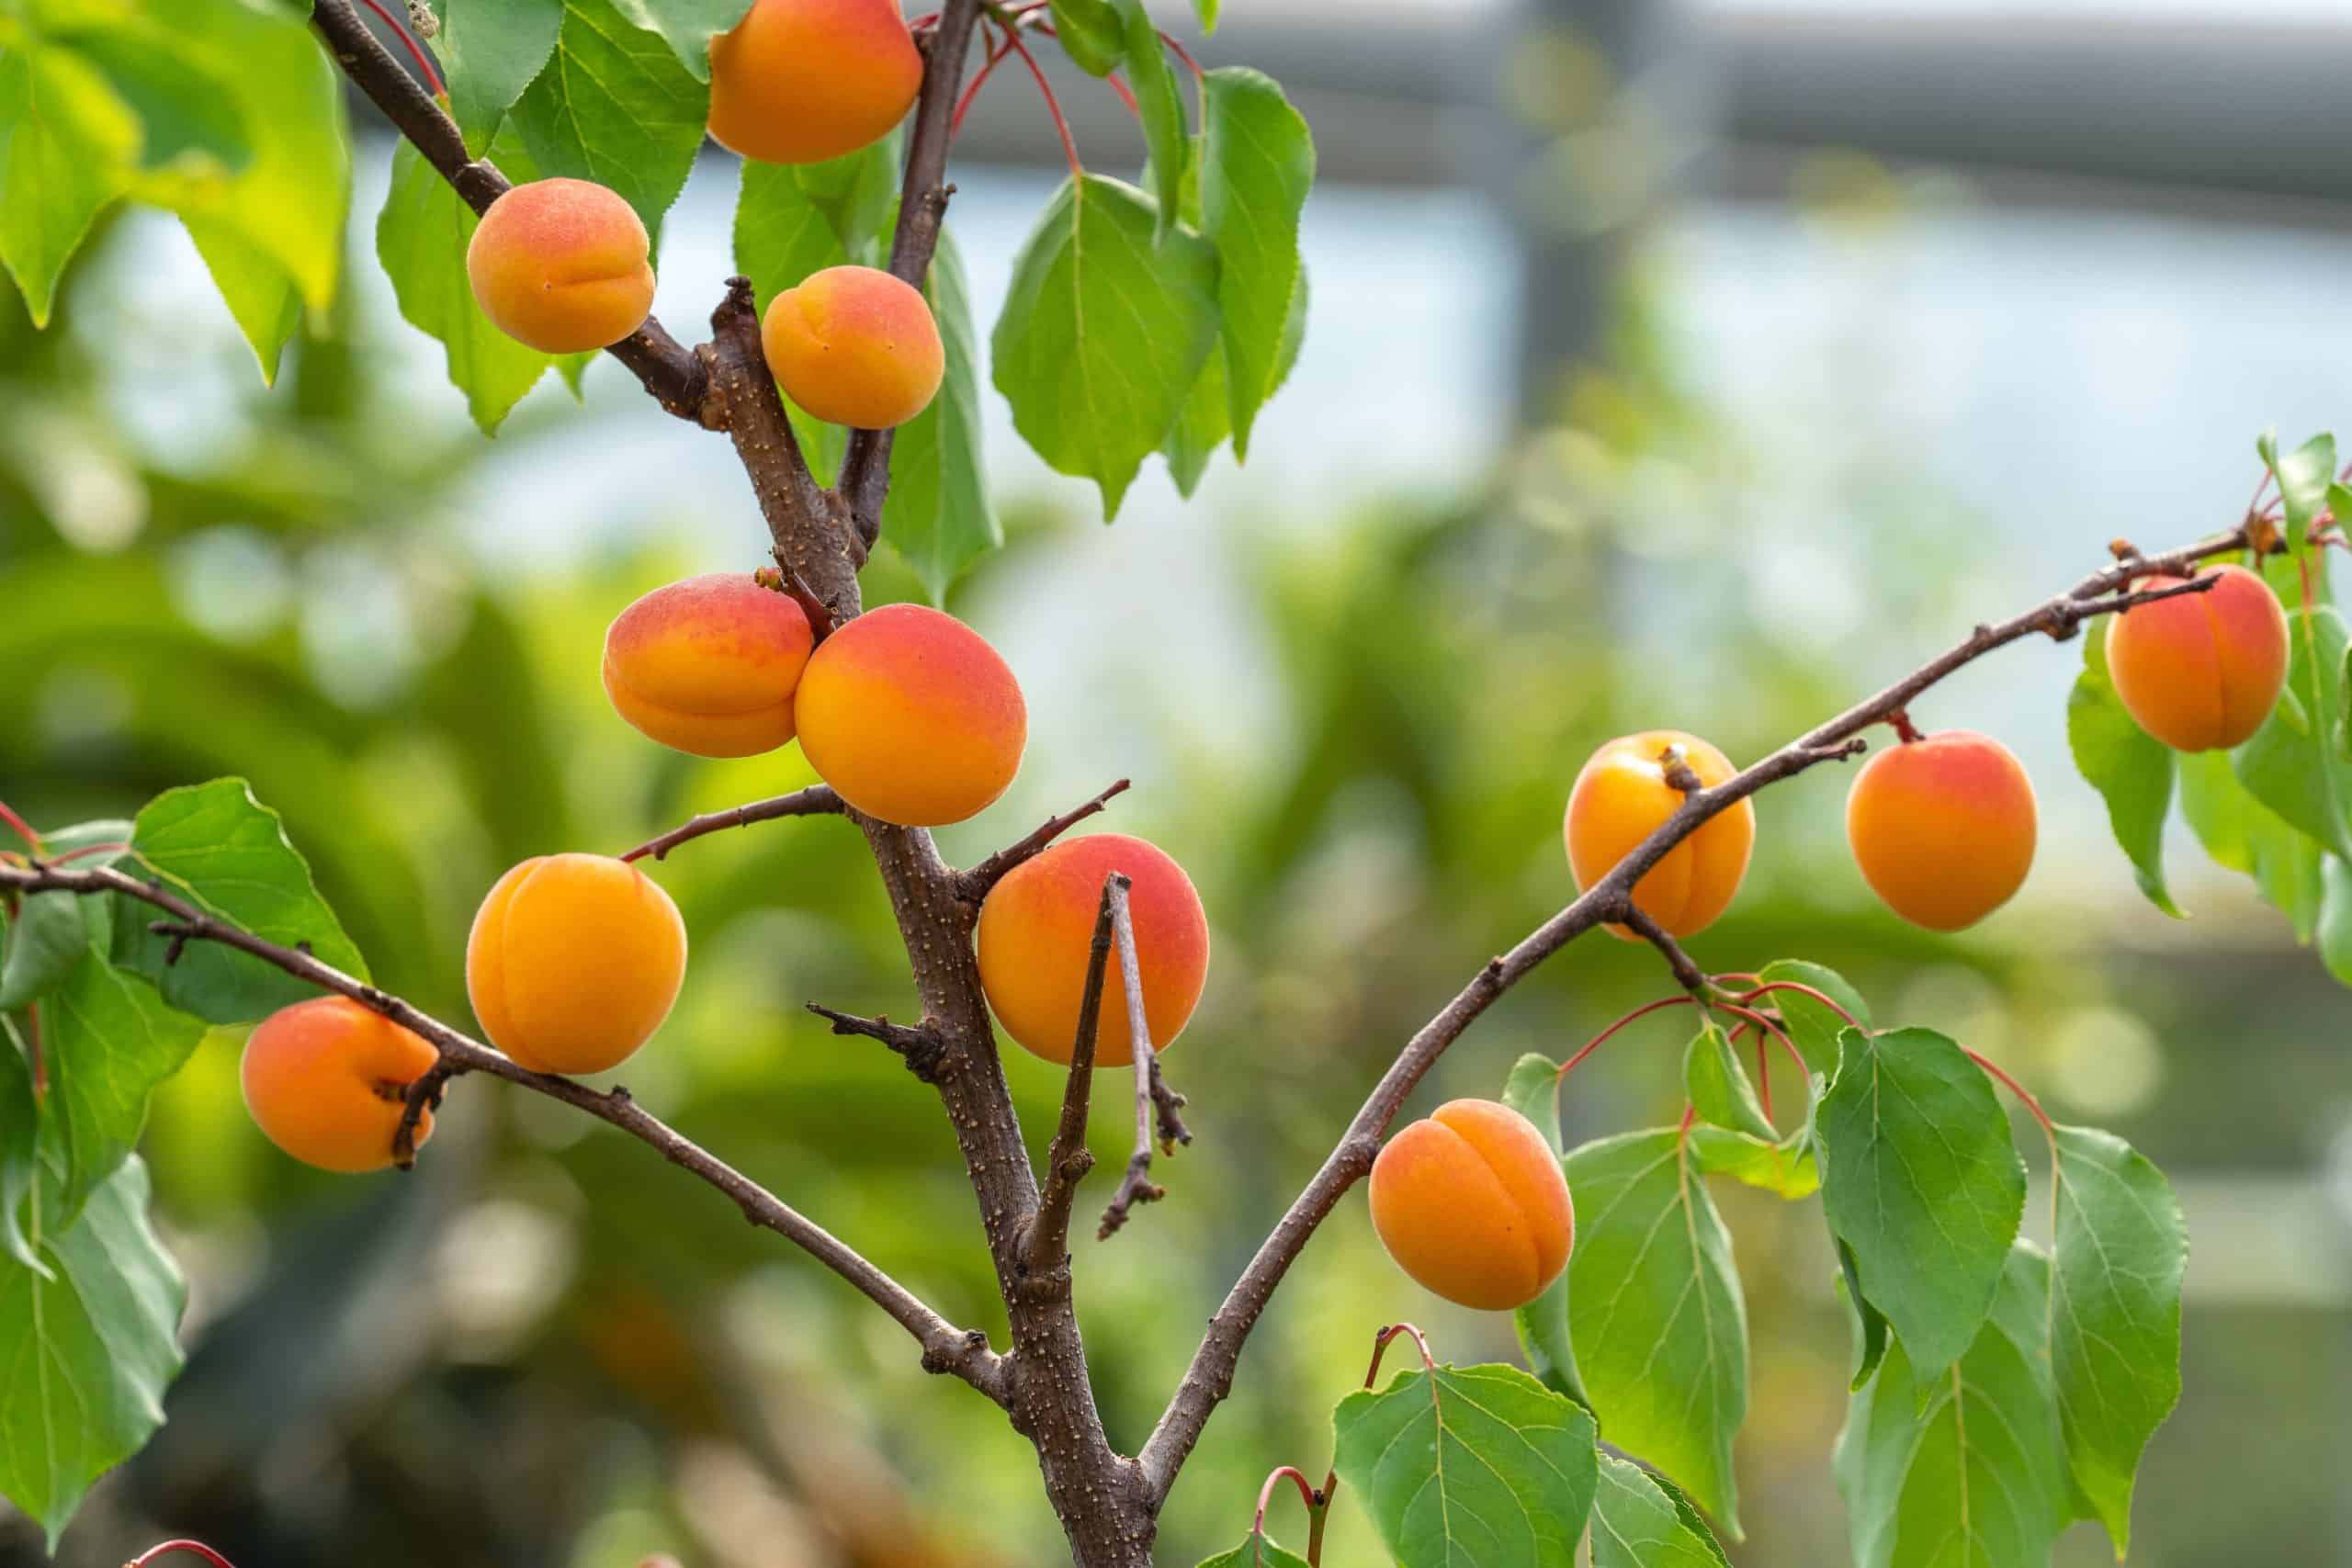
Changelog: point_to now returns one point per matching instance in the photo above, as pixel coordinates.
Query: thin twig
(817, 800)
(946, 1347)
(919, 1044)
(1688, 975)
(975, 883)
(1156, 1106)
(424, 1095)
(1068, 1159)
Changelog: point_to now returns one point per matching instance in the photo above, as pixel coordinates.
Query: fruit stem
(166, 1548)
(24, 829)
(1905, 729)
(415, 49)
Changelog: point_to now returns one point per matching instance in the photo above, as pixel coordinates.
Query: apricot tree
(2000, 1390)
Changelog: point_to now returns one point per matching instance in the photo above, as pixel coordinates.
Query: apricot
(1472, 1204)
(323, 1081)
(1623, 796)
(801, 81)
(1036, 928)
(709, 665)
(1942, 827)
(854, 345)
(2200, 670)
(911, 717)
(573, 962)
(561, 265)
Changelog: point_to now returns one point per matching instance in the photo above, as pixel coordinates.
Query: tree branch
(923, 1047)
(1068, 1159)
(1686, 974)
(1154, 1098)
(1209, 1378)
(673, 374)
(817, 800)
(946, 1347)
(974, 885)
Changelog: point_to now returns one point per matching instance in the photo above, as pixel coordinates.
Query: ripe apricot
(709, 665)
(801, 81)
(561, 265)
(854, 345)
(2200, 670)
(1036, 928)
(573, 962)
(1942, 827)
(911, 717)
(323, 1080)
(1472, 1204)
(1623, 795)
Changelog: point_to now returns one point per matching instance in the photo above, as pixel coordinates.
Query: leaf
(217, 847)
(613, 105)
(2130, 769)
(109, 1040)
(421, 240)
(1656, 1313)
(1640, 1520)
(1200, 428)
(1159, 105)
(93, 1346)
(19, 1147)
(45, 941)
(2304, 476)
(1962, 1468)
(2336, 918)
(2245, 835)
(1206, 10)
(1257, 1551)
(1869, 1324)
(2293, 764)
(1786, 1168)
(184, 98)
(1102, 333)
(1921, 1179)
(490, 51)
(1257, 164)
(936, 513)
(1480, 1467)
(689, 26)
(1814, 1027)
(66, 145)
(858, 195)
(1092, 34)
(1719, 1090)
(262, 299)
(1542, 1324)
(2121, 1248)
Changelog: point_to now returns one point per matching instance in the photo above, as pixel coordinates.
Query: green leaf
(421, 240)
(2245, 835)
(1542, 1324)
(217, 847)
(1159, 103)
(1719, 1090)
(66, 143)
(2336, 918)
(857, 192)
(1470, 1467)
(45, 941)
(1202, 426)
(1258, 162)
(93, 1346)
(1921, 1179)
(2130, 769)
(19, 1147)
(1786, 1168)
(490, 50)
(1103, 333)
(1641, 1520)
(2114, 1314)
(261, 297)
(109, 1040)
(613, 105)
(1206, 10)
(1962, 1468)
(184, 97)
(1257, 1551)
(1869, 1324)
(2293, 763)
(1091, 33)
(2304, 476)
(689, 25)
(1655, 1312)
(936, 513)
(1814, 1027)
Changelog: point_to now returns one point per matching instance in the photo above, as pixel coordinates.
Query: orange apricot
(801, 81)
(709, 665)
(1623, 795)
(573, 962)
(1472, 1204)
(1036, 930)
(561, 265)
(323, 1079)
(911, 717)
(2200, 670)
(854, 345)
(1942, 827)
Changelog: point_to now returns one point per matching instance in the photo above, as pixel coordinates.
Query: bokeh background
(1701, 365)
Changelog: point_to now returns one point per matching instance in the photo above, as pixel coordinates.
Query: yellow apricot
(1942, 827)
(1473, 1205)
(1623, 795)
(710, 665)
(561, 265)
(573, 962)
(854, 345)
(1036, 930)
(323, 1080)
(911, 717)
(2202, 671)
(801, 81)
